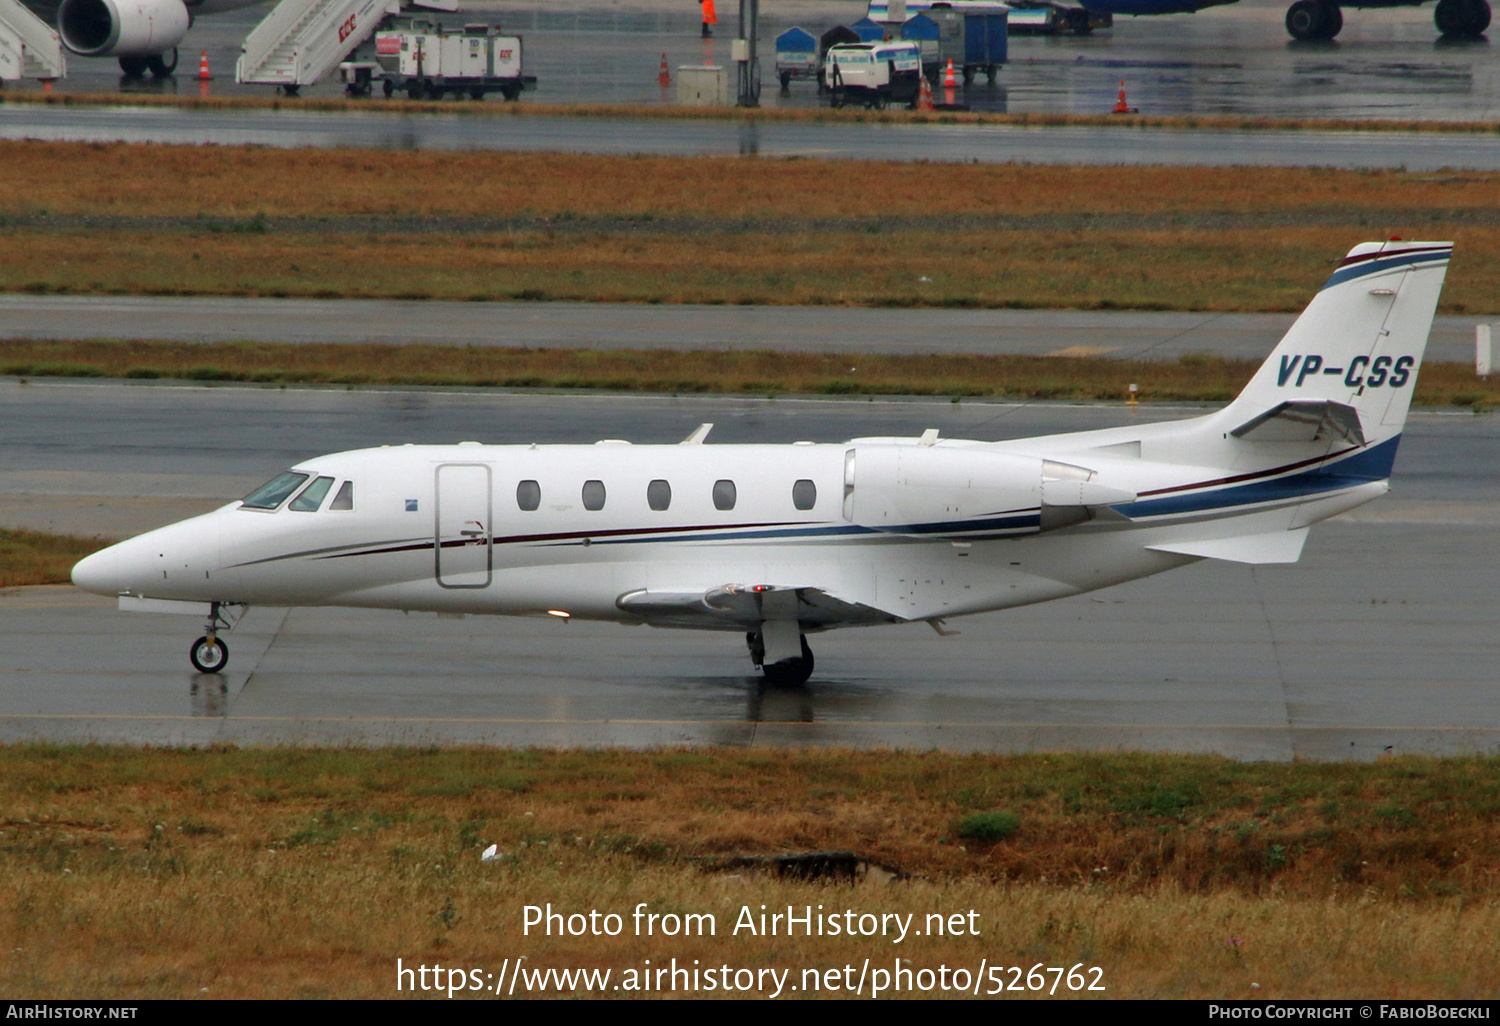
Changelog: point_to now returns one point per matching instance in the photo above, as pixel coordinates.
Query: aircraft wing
(744, 607)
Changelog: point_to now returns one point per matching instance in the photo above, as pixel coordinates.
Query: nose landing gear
(209, 654)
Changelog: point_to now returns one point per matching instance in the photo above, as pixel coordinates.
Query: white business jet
(782, 541)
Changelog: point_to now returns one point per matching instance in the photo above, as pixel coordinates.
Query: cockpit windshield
(312, 496)
(274, 492)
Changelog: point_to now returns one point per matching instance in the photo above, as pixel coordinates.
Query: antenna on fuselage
(699, 434)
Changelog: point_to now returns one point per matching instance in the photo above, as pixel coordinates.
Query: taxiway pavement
(1120, 334)
(1380, 641)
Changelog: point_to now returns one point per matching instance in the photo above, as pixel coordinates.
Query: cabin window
(593, 495)
(658, 495)
(345, 498)
(274, 492)
(724, 495)
(312, 496)
(528, 495)
(804, 494)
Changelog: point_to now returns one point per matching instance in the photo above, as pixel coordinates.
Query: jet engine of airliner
(143, 33)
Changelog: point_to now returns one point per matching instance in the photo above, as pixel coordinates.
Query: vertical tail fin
(1356, 349)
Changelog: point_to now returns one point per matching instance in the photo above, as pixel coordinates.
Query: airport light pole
(746, 63)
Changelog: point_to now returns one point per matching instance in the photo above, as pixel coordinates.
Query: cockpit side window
(312, 496)
(274, 492)
(345, 498)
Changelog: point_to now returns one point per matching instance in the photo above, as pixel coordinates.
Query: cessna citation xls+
(782, 541)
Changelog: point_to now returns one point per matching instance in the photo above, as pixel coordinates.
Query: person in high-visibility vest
(710, 17)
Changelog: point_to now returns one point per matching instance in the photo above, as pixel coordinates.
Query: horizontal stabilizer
(1275, 547)
(1304, 420)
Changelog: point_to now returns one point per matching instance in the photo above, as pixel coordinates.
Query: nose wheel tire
(209, 655)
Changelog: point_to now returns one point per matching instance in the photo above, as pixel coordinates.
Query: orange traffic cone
(1121, 107)
(47, 86)
(203, 75)
(924, 97)
(949, 82)
(664, 79)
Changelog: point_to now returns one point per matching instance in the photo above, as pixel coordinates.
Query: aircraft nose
(100, 573)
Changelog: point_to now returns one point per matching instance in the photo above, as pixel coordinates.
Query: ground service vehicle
(420, 58)
(873, 74)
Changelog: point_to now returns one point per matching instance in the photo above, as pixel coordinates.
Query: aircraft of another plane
(778, 542)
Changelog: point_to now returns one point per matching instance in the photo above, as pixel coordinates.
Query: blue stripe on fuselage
(1372, 464)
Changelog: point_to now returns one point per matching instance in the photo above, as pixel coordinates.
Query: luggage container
(833, 37)
(972, 36)
(420, 58)
(796, 56)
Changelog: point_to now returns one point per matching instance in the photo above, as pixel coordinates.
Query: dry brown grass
(254, 221)
(670, 112)
(126, 178)
(35, 557)
(308, 872)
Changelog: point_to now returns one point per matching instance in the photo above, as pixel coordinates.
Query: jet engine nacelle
(933, 490)
(122, 28)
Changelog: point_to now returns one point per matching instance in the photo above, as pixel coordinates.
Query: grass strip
(93, 220)
(1192, 378)
(1186, 122)
(36, 557)
(307, 872)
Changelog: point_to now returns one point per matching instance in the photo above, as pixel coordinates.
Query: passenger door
(464, 549)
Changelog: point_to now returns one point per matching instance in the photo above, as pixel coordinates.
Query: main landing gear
(1314, 19)
(1462, 19)
(790, 672)
(1322, 19)
(209, 654)
(161, 65)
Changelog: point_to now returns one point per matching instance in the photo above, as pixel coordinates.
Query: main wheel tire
(209, 655)
(1452, 17)
(1479, 15)
(1304, 19)
(390, 88)
(790, 673)
(162, 65)
(1333, 21)
(786, 80)
(133, 67)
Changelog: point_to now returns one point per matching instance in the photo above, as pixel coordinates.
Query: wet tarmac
(1380, 641)
(1233, 60)
(939, 143)
(1122, 335)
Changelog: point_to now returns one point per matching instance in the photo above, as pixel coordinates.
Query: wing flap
(1273, 547)
(744, 607)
